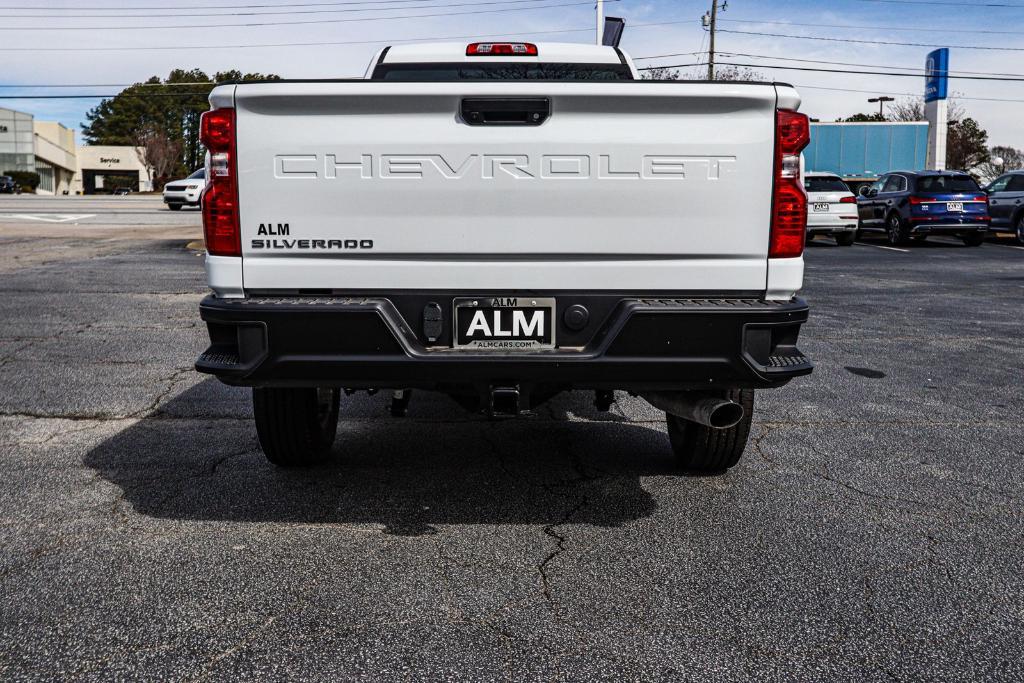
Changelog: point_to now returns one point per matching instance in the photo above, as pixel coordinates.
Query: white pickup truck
(502, 222)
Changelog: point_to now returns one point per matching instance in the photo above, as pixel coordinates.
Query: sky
(109, 43)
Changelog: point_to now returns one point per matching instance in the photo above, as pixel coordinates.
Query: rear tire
(296, 427)
(1020, 228)
(895, 230)
(706, 450)
(845, 239)
(974, 240)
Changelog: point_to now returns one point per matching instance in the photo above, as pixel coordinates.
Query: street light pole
(881, 103)
(600, 22)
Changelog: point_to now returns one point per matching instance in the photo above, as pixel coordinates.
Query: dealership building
(48, 148)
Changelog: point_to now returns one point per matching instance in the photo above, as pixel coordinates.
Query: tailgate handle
(505, 111)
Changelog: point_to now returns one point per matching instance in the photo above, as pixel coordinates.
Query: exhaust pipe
(697, 406)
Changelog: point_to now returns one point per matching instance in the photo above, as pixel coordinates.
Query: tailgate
(627, 185)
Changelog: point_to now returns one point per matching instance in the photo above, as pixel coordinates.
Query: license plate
(954, 206)
(504, 323)
(821, 206)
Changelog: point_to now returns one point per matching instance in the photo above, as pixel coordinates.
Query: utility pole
(709, 20)
(600, 22)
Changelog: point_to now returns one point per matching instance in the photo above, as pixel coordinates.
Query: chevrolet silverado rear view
(502, 222)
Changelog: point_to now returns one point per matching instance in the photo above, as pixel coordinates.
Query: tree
(1011, 159)
(661, 73)
(735, 73)
(172, 106)
(908, 109)
(966, 144)
(159, 153)
(864, 118)
(722, 73)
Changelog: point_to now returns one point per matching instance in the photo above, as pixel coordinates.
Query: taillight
(919, 200)
(220, 199)
(500, 49)
(789, 203)
(848, 200)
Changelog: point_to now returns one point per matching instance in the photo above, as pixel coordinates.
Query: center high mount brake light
(501, 50)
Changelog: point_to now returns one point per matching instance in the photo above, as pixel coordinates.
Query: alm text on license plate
(504, 323)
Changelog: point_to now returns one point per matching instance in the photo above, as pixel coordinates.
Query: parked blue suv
(915, 204)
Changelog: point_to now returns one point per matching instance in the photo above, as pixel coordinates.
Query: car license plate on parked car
(954, 206)
(512, 323)
(821, 206)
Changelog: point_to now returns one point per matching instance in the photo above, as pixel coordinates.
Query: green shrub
(28, 180)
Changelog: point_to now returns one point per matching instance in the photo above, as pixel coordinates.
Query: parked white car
(185, 192)
(831, 208)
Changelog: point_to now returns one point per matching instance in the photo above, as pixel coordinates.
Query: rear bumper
(828, 223)
(925, 225)
(631, 343)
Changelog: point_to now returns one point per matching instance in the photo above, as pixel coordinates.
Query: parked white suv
(831, 208)
(502, 222)
(185, 192)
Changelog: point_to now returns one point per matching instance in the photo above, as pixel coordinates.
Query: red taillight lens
(789, 203)
(501, 49)
(220, 198)
(848, 200)
(793, 131)
(217, 130)
(919, 200)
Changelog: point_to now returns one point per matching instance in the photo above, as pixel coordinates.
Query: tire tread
(288, 427)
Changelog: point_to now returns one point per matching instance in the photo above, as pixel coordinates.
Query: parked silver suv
(1006, 204)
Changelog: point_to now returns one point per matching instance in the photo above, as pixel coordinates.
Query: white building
(103, 168)
(48, 148)
(54, 146)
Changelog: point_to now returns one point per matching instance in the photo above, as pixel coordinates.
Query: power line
(823, 61)
(879, 28)
(286, 12)
(223, 46)
(871, 42)
(845, 71)
(906, 94)
(819, 87)
(874, 66)
(293, 23)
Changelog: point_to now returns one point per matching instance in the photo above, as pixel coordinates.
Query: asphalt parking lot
(873, 530)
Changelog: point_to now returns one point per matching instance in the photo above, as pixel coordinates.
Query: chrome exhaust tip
(700, 407)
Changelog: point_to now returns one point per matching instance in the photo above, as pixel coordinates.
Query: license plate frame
(502, 328)
(821, 207)
(958, 207)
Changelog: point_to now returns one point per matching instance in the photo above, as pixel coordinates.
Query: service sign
(936, 70)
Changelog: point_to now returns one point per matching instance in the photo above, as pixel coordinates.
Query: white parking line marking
(52, 217)
(879, 246)
(1008, 246)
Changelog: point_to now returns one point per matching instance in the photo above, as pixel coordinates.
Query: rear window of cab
(501, 71)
